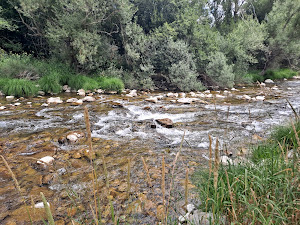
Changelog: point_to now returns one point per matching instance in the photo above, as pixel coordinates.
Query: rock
(296, 77)
(1, 94)
(153, 125)
(88, 99)
(209, 96)
(225, 160)
(159, 97)
(220, 96)
(166, 122)
(132, 93)
(65, 87)
(45, 104)
(17, 104)
(81, 92)
(247, 97)
(152, 99)
(68, 91)
(40, 205)
(262, 84)
(260, 98)
(29, 103)
(78, 102)
(190, 208)
(55, 100)
(182, 95)
(200, 218)
(2, 107)
(72, 138)
(9, 98)
(42, 93)
(207, 92)
(269, 81)
(172, 95)
(116, 105)
(100, 91)
(46, 160)
(185, 100)
(71, 100)
(192, 94)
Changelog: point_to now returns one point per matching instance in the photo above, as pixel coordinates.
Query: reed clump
(264, 190)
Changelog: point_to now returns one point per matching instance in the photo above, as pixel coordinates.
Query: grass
(19, 88)
(111, 84)
(50, 83)
(263, 191)
(278, 74)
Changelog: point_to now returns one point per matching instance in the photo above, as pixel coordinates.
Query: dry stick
(93, 213)
(163, 182)
(216, 168)
(17, 185)
(88, 130)
(186, 187)
(231, 196)
(147, 172)
(296, 135)
(294, 111)
(128, 176)
(210, 170)
(172, 177)
(282, 151)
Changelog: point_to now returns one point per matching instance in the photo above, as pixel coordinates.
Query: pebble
(46, 160)
(40, 205)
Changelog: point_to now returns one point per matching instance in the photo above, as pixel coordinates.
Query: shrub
(19, 88)
(50, 83)
(220, 72)
(18, 66)
(80, 81)
(280, 74)
(112, 84)
(253, 76)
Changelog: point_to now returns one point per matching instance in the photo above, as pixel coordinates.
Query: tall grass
(263, 191)
(19, 88)
(50, 83)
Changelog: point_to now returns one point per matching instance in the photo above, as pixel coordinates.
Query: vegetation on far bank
(24, 75)
(264, 190)
(182, 45)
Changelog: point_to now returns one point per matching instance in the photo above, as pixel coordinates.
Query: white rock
(81, 92)
(159, 97)
(234, 89)
(220, 96)
(296, 77)
(260, 98)
(40, 205)
(41, 93)
(269, 81)
(152, 99)
(200, 95)
(55, 100)
(46, 160)
(182, 95)
(1, 94)
(185, 100)
(275, 88)
(10, 98)
(173, 101)
(209, 96)
(78, 102)
(45, 104)
(65, 87)
(17, 104)
(207, 91)
(192, 94)
(68, 91)
(29, 103)
(172, 95)
(225, 160)
(72, 137)
(100, 91)
(71, 100)
(132, 93)
(2, 107)
(190, 208)
(247, 97)
(88, 99)
(262, 84)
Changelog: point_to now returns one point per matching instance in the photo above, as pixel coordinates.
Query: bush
(80, 81)
(19, 88)
(18, 66)
(279, 74)
(254, 76)
(50, 83)
(219, 71)
(112, 84)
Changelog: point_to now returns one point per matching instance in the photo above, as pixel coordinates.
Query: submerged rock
(55, 100)
(71, 100)
(88, 99)
(152, 99)
(166, 122)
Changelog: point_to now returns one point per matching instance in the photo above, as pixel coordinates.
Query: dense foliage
(156, 44)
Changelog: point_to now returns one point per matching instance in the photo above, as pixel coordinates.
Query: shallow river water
(123, 129)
